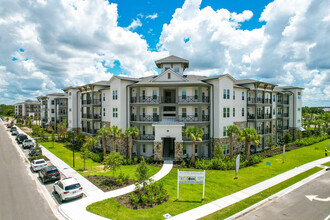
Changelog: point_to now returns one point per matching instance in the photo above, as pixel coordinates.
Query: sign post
(283, 153)
(190, 177)
(238, 158)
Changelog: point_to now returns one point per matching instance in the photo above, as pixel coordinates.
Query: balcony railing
(92, 101)
(188, 118)
(149, 137)
(259, 100)
(168, 99)
(264, 131)
(188, 99)
(268, 116)
(149, 118)
(90, 116)
(282, 128)
(286, 102)
(205, 118)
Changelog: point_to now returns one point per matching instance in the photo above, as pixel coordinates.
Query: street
(310, 201)
(20, 198)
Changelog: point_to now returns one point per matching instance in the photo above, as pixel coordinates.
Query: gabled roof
(189, 80)
(220, 76)
(248, 81)
(166, 72)
(289, 87)
(172, 59)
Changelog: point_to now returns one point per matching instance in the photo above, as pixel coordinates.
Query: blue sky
(49, 45)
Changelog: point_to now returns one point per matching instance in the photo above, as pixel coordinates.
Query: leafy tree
(142, 172)
(270, 143)
(218, 151)
(85, 153)
(232, 130)
(90, 142)
(194, 133)
(286, 138)
(80, 140)
(103, 133)
(113, 161)
(247, 136)
(131, 132)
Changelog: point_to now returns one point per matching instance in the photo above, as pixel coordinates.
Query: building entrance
(168, 147)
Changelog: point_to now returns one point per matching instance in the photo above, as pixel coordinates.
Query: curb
(277, 195)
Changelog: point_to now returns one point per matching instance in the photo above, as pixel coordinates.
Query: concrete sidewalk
(226, 201)
(77, 209)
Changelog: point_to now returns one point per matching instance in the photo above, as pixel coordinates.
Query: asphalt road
(295, 205)
(19, 196)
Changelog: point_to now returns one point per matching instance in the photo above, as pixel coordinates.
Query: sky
(47, 45)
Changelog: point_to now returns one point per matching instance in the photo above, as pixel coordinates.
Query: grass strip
(326, 164)
(239, 206)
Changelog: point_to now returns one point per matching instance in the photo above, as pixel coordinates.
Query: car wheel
(62, 200)
(54, 190)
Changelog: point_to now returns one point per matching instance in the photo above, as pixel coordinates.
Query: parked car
(14, 133)
(68, 188)
(49, 173)
(21, 137)
(9, 125)
(13, 129)
(34, 152)
(28, 143)
(38, 164)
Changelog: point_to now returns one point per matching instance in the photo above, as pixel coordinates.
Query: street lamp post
(73, 144)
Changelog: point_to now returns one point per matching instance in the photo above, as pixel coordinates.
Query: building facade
(29, 108)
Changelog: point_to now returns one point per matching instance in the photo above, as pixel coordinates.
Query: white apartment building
(163, 105)
(53, 108)
(29, 108)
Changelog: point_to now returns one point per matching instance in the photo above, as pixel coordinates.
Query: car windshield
(39, 162)
(71, 187)
(27, 141)
(52, 171)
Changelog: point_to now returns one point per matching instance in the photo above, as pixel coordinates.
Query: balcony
(283, 115)
(63, 104)
(251, 116)
(146, 99)
(205, 118)
(282, 128)
(259, 101)
(168, 99)
(92, 102)
(188, 118)
(264, 131)
(63, 114)
(150, 118)
(149, 137)
(90, 116)
(89, 130)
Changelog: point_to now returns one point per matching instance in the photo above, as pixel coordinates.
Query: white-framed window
(234, 95)
(224, 131)
(115, 94)
(226, 112)
(53, 119)
(243, 112)
(233, 112)
(184, 94)
(52, 102)
(226, 93)
(196, 112)
(298, 109)
(184, 112)
(154, 94)
(117, 148)
(143, 148)
(143, 112)
(143, 94)
(225, 149)
(143, 130)
(103, 96)
(274, 98)
(196, 94)
(115, 112)
(53, 111)
(154, 112)
(103, 111)
(242, 95)
(176, 69)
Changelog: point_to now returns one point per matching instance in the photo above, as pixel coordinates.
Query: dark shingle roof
(172, 59)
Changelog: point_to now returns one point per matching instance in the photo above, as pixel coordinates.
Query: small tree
(131, 132)
(113, 161)
(270, 143)
(80, 140)
(247, 136)
(286, 138)
(218, 151)
(90, 142)
(102, 135)
(194, 133)
(232, 130)
(85, 154)
(53, 138)
(30, 122)
(142, 172)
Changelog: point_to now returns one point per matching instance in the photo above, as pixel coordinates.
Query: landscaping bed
(106, 183)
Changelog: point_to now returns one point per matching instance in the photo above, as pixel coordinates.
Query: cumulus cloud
(290, 49)
(153, 16)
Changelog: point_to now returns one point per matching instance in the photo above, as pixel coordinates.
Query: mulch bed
(124, 201)
(279, 150)
(106, 183)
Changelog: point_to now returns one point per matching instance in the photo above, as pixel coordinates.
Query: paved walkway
(223, 202)
(77, 209)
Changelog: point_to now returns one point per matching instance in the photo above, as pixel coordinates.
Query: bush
(134, 199)
(310, 140)
(97, 157)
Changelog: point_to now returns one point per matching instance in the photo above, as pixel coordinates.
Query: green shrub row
(310, 140)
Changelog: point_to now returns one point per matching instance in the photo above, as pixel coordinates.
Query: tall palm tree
(131, 132)
(232, 130)
(102, 135)
(247, 136)
(194, 133)
(114, 133)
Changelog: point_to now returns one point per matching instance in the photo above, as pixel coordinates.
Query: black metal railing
(187, 118)
(149, 99)
(188, 99)
(286, 102)
(251, 116)
(268, 116)
(205, 118)
(149, 137)
(168, 99)
(149, 117)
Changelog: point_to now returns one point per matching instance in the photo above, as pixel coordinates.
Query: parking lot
(48, 185)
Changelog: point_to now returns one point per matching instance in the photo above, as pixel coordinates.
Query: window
(53, 111)
(274, 112)
(298, 109)
(167, 68)
(52, 102)
(299, 93)
(196, 94)
(53, 119)
(243, 112)
(103, 111)
(228, 93)
(226, 149)
(115, 112)
(176, 69)
(143, 112)
(154, 94)
(196, 150)
(143, 130)
(184, 149)
(184, 112)
(103, 96)
(224, 94)
(69, 93)
(224, 112)
(184, 94)
(143, 94)
(233, 95)
(143, 148)
(196, 112)
(117, 148)
(224, 131)
(153, 130)
(274, 98)
(154, 112)
(228, 113)
(114, 94)
(242, 95)
(233, 112)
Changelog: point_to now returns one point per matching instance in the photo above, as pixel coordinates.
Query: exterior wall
(106, 106)
(174, 131)
(295, 106)
(172, 67)
(73, 110)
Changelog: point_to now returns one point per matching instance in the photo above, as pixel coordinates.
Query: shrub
(134, 199)
(183, 163)
(142, 172)
(97, 157)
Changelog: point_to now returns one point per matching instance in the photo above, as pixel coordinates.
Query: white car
(68, 188)
(38, 164)
(28, 143)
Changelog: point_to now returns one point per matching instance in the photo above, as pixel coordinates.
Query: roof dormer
(174, 63)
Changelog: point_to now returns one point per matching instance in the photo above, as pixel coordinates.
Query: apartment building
(29, 108)
(53, 108)
(162, 106)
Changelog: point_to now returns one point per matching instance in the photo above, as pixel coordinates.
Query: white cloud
(135, 24)
(153, 16)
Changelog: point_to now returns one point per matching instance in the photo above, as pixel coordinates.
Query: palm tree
(194, 133)
(102, 135)
(90, 142)
(232, 130)
(114, 133)
(247, 136)
(131, 132)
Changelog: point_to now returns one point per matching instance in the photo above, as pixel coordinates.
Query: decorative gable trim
(165, 73)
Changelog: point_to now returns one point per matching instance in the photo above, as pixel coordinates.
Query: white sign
(237, 163)
(191, 177)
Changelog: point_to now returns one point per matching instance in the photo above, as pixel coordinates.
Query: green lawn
(218, 184)
(237, 207)
(93, 168)
(327, 164)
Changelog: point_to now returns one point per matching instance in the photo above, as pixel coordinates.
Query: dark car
(49, 173)
(14, 133)
(13, 129)
(21, 138)
(9, 125)
(34, 152)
